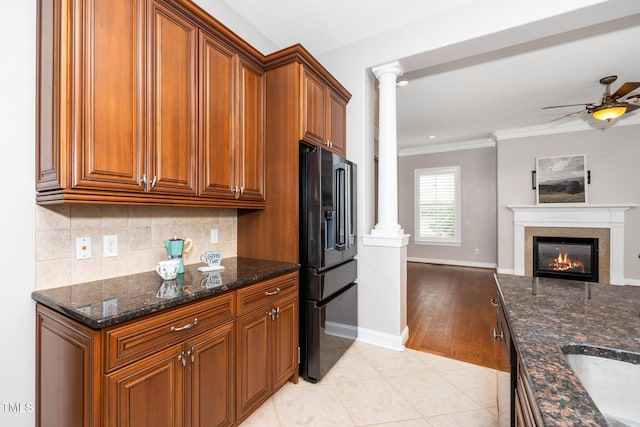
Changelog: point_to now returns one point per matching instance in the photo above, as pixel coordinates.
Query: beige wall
(613, 156)
(141, 231)
(478, 222)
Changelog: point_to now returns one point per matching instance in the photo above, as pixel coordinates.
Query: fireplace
(573, 258)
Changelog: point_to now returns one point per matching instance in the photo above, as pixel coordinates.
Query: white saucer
(207, 268)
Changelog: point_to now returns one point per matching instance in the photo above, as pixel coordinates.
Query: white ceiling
(472, 99)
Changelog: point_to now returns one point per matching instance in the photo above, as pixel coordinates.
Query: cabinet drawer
(266, 292)
(143, 337)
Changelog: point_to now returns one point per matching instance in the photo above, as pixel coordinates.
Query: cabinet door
(314, 110)
(172, 102)
(253, 361)
(285, 340)
(217, 118)
(149, 392)
(67, 372)
(337, 123)
(109, 149)
(251, 145)
(211, 380)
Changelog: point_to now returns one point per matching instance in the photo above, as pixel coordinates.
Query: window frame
(457, 239)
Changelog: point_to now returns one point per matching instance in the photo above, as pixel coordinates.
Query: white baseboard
(452, 262)
(632, 282)
(505, 270)
(339, 329)
(381, 339)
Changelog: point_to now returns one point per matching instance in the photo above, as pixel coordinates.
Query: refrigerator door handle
(341, 238)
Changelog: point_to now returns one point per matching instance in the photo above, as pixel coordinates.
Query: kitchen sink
(614, 386)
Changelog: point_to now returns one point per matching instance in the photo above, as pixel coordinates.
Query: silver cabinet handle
(277, 312)
(153, 181)
(236, 192)
(241, 190)
(143, 181)
(497, 335)
(192, 353)
(494, 302)
(185, 327)
(181, 358)
(270, 294)
(270, 314)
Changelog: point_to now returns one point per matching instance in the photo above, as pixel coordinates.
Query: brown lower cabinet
(526, 411)
(166, 369)
(266, 339)
(516, 403)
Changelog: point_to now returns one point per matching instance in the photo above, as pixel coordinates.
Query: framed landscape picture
(561, 179)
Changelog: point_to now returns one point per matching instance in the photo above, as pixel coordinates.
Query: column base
(387, 230)
(387, 240)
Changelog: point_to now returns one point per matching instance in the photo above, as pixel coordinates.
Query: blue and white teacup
(168, 269)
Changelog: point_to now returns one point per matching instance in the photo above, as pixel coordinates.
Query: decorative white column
(382, 257)
(387, 225)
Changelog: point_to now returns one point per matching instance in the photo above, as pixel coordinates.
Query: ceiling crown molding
(572, 126)
(447, 146)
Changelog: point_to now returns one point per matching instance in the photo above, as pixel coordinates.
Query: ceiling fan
(610, 106)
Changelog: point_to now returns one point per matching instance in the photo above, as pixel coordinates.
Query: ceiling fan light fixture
(609, 112)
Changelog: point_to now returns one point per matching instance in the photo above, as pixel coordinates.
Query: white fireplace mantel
(580, 216)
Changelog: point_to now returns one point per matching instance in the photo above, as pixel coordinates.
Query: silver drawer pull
(185, 327)
(494, 302)
(270, 294)
(498, 336)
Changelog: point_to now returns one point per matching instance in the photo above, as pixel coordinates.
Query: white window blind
(438, 205)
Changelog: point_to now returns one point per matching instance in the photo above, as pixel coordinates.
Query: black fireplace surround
(573, 258)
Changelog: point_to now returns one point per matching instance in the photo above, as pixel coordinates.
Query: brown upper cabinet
(324, 114)
(155, 102)
(172, 103)
(232, 124)
(118, 108)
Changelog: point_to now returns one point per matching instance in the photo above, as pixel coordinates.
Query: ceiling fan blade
(633, 97)
(625, 89)
(567, 115)
(560, 106)
(632, 107)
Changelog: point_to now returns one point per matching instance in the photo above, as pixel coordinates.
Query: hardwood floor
(449, 313)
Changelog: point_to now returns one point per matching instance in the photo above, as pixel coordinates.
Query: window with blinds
(437, 204)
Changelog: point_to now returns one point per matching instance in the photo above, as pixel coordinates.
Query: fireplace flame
(563, 263)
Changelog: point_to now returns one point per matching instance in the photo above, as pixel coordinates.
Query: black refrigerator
(328, 245)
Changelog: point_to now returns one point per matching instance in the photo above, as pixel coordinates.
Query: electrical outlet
(214, 235)
(110, 245)
(476, 251)
(86, 309)
(110, 307)
(83, 247)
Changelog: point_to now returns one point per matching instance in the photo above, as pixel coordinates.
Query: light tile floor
(373, 386)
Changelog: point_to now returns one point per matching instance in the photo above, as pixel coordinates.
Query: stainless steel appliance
(328, 245)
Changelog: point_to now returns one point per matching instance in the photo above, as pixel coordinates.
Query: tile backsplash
(141, 231)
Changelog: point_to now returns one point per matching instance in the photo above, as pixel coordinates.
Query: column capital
(390, 68)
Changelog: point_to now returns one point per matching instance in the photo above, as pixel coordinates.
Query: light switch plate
(214, 235)
(83, 247)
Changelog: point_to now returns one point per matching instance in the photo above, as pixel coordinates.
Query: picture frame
(561, 179)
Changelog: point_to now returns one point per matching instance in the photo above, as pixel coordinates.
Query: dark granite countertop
(549, 318)
(110, 301)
